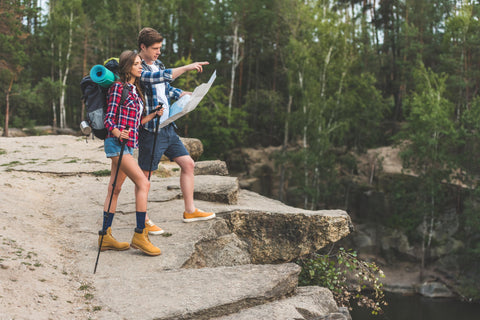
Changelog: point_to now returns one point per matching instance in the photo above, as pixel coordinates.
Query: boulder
(14, 132)
(282, 237)
(396, 240)
(210, 188)
(213, 167)
(219, 248)
(435, 290)
(307, 303)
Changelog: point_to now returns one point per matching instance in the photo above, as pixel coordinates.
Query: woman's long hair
(127, 59)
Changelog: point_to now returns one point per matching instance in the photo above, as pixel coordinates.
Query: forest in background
(319, 78)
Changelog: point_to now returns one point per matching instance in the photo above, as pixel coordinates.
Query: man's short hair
(148, 37)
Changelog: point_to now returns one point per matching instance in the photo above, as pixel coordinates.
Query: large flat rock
(196, 294)
(51, 211)
(309, 302)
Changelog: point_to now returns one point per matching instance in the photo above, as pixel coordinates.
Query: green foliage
(406, 206)
(430, 132)
(266, 112)
(470, 235)
(347, 277)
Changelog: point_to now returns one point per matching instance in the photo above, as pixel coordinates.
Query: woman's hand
(124, 134)
(159, 110)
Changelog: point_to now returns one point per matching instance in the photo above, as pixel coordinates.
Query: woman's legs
(129, 168)
(118, 187)
(106, 240)
(140, 238)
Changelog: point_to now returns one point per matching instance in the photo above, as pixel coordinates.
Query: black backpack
(95, 98)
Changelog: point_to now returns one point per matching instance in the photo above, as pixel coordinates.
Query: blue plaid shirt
(148, 79)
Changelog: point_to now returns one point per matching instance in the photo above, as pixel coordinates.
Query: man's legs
(169, 143)
(187, 165)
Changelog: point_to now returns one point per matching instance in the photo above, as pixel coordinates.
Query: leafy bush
(347, 277)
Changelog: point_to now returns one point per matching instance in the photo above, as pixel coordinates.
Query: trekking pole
(154, 142)
(114, 184)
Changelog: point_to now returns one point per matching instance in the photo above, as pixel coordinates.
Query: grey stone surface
(435, 290)
(212, 189)
(197, 293)
(282, 237)
(307, 303)
(222, 248)
(212, 167)
(49, 193)
(207, 187)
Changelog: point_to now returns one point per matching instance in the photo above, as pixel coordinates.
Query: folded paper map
(188, 102)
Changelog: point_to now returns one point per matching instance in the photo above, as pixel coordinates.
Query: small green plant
(3, 151)
(101, 173)
(84, 287)
(12, 163)
(88, 296)
(347, 277)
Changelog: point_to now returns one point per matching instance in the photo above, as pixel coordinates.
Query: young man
(155, 80)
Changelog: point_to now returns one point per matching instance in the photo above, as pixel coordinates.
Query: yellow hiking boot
(141, 242)
(197, 215)
(110, 243)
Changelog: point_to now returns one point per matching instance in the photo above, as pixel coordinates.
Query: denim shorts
(112, 147)
(167, 143)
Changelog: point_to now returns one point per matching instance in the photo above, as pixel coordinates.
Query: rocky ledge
(237, 266)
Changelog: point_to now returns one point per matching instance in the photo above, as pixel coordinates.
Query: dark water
(420, 308)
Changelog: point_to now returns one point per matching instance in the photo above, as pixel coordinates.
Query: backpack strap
(125, 92)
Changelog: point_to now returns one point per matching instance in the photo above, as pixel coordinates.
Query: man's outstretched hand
(176, 72)
(197, 66)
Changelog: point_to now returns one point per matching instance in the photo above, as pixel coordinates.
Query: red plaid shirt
(130, 113)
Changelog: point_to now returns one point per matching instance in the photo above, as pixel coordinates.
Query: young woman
(122, 123)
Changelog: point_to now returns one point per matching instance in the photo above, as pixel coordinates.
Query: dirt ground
(38, 275)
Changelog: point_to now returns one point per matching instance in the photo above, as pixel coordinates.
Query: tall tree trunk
(63, 119)
(240, 76)
(54, 104)
(235, 61)
(7, 106)
(139, 16)
(52, 69)
(84, 63)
